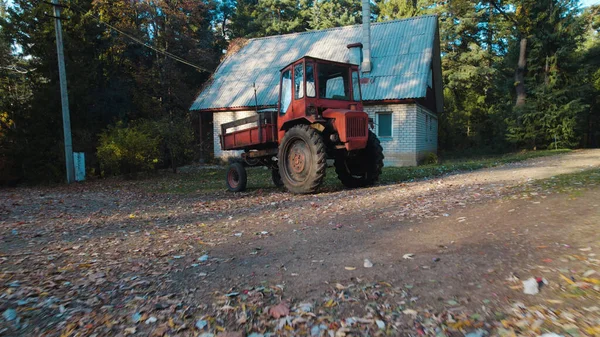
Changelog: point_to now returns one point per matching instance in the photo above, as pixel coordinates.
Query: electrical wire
(158, 50)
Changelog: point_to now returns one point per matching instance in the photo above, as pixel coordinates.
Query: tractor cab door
(297, 88)
(285, 94)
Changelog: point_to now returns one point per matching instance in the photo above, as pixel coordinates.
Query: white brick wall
(400, 149)
(427, 132)
(413, 134)
(220, 118)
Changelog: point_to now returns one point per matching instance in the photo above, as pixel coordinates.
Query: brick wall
(400, 149)
(427, 132)
(225, 117)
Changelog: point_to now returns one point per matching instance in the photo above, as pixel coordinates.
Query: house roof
(402, 54)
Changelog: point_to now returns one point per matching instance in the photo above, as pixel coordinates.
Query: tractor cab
(314, 90)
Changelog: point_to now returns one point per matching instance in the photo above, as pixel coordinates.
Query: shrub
(177, 140)
(430, 159)
(127, 150)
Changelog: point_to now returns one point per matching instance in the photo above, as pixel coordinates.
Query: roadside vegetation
(213, 179)
(571, 183)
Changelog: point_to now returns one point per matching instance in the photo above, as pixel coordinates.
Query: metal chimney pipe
(366, 36)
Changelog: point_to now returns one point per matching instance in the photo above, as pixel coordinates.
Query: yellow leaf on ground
(569, 281)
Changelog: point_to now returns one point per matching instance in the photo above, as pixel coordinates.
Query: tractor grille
(356, 127)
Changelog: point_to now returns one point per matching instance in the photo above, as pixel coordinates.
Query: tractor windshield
(333, 82)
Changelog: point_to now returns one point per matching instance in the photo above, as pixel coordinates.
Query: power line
(158, 50)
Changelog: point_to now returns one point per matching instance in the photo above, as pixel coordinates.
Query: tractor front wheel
(302, 159)
(276, 177)
(236, 177)
(363, 168)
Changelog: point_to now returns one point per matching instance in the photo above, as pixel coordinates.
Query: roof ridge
(342, 27)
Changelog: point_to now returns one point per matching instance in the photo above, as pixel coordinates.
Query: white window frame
(391, 123)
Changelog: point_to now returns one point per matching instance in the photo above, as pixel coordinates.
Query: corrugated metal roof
(401, 52)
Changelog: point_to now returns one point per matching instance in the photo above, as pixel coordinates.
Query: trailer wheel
(302, 159)
(276, 177)
(236, 177)
(362, 169)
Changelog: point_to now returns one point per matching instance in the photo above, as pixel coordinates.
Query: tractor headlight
(311, 110)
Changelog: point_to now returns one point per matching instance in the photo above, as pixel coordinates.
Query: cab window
(333, 82)
(286, 91)
(299, 81)
(355, 86)
(311, 89)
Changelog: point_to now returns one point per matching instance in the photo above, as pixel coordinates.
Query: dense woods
(517, 74)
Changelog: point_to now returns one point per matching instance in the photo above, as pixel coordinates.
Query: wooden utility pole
(63, 94)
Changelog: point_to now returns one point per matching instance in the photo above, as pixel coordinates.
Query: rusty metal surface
(401, 53)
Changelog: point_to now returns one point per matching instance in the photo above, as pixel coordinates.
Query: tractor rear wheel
(236, 177)
(362, 169)
(302, 159)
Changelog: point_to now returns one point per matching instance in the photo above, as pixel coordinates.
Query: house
(401, 80)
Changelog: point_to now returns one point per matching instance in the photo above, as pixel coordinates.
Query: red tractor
(319, 116)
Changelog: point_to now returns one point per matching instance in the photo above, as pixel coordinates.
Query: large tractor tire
(362, 169)
(236, 177)
(302, 159)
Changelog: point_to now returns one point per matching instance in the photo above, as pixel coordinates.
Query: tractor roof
(403, 52)
(318, 60)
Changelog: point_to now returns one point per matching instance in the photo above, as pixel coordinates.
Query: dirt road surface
(448, 257)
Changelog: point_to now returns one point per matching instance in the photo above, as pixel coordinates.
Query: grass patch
(571, 182)
(400, 174)
(211, 180)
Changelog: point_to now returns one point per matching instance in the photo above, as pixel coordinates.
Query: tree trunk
(520, 74)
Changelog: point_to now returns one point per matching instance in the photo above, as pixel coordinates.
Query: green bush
(430, 159)
(128, 150)
(177, 138)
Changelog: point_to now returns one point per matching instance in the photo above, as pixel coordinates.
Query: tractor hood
(351, 125)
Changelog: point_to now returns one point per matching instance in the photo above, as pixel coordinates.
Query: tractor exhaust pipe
(366, 36)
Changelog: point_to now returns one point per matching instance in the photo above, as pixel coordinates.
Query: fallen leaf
(231, 334)
(129, 331)
(350, 268)
(410, 312)
(279, 310)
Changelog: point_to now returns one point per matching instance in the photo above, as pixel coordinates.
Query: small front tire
(362, 169)
(276, 177)
(236, 177)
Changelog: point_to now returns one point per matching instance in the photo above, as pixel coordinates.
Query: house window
(384, 124)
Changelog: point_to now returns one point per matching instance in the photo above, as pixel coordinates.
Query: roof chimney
(366, 36)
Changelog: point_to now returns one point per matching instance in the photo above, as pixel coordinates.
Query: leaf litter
(101, 268)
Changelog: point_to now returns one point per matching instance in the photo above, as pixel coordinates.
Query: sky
(586, 3)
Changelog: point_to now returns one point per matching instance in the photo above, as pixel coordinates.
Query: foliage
(176, 139)
(128, 150)
(110, 77)
(113, 79)
(399, 9)
(430, 159)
